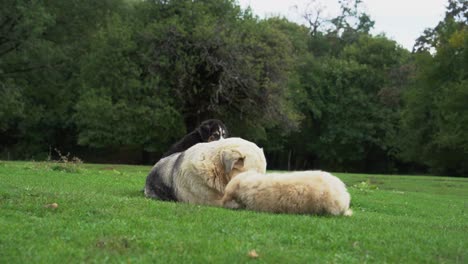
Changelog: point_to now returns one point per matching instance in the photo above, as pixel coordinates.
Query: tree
(347, 91)
(220, 62)
(434, 117)
(40, 45)
(116, 106)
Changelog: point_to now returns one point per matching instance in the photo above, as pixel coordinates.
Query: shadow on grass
(139, 193)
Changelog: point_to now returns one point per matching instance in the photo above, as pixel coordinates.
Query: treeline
(121, 80)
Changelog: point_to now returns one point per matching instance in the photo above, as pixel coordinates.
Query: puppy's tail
(348, 212)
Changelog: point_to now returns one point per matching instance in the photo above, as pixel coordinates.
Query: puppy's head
(233, 162)
(211, 130)
(236, 161)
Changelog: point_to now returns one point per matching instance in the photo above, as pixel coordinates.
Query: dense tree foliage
(435, 116)
(120, 80)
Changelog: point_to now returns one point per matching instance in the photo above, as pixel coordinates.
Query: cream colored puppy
(304, 192)
(200, 174)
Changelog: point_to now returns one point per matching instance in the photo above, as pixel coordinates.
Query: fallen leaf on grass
(253, 254)
(52, 205)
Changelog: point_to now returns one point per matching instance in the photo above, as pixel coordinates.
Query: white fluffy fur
(304, 192)
(206, 168)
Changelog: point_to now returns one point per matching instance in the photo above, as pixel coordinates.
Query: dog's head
(212, 129)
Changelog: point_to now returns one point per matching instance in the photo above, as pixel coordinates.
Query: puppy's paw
(232, 205)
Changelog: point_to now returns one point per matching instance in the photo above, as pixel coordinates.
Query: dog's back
(313, 192)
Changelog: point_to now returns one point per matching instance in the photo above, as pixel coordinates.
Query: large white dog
(200, 174)
(305, 192)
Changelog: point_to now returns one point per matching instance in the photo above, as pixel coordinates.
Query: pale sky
(401, 20)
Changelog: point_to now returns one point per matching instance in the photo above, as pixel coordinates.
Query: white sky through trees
(400, 20)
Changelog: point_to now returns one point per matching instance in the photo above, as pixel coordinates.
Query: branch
(3, 53)
(28, 69)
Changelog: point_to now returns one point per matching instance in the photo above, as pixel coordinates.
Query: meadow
(101, 216)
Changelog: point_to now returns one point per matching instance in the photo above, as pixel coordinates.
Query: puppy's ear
(204, 131)
(231, 159)
(225, 132)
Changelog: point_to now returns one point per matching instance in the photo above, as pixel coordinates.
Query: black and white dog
(200, 174)
(209, 130)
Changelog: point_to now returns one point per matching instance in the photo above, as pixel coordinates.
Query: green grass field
(103, 217)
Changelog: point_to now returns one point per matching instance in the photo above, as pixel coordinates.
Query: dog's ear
(231, 159)
(204, 130)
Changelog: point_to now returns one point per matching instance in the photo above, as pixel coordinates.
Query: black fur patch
(155, 187)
